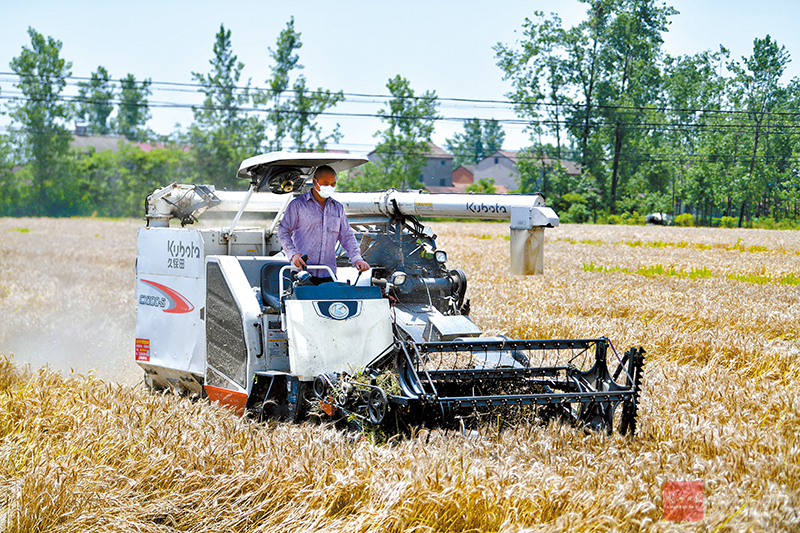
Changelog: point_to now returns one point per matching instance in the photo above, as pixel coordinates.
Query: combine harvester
(221, 313)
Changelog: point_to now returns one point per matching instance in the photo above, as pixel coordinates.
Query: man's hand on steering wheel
(297, 260)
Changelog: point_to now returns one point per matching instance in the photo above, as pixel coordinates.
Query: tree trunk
(741, 212)
(614, 169)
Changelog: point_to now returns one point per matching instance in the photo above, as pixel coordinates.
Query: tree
(223, 97)
(134, 110)
(693, 91)
(479, 140)
(483, 185)
(43, 138)
(294, 116)
(594, 79)
(539, 72)
(96, 101)
(304, 108)
(631, 55)
(757, 90)
(220, 135)
(285, 61)
(493, 137)
(401, 152)
(10, 199)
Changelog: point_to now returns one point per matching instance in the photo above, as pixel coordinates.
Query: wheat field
(83, 447)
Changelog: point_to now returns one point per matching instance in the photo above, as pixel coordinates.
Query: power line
(197, 87)
(735, 127)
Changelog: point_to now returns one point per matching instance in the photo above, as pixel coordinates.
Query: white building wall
(499, 168)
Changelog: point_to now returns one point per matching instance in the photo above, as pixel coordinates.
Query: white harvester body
(218, 312)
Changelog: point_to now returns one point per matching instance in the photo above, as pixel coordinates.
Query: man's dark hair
(324, 168)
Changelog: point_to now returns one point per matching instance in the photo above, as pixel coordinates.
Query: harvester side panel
(170, 292)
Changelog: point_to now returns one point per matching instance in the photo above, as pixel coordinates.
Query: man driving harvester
(313, 223)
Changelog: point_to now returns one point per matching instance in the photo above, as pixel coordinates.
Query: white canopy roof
(308, 161)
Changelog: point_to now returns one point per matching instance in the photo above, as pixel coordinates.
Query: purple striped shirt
(307, 228)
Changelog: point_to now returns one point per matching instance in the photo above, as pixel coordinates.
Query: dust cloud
(67, 296)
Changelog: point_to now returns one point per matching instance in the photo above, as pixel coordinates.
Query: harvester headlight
(440, 256)
(398, 278)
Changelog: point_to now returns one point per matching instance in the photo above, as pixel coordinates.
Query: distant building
(83, 141)
(438, 170)
(501, 166)
(100, 143)
(464, 175)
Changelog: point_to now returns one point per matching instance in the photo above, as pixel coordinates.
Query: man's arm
(285, 230)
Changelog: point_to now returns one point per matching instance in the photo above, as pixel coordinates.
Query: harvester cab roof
(222, 313)
(281, 173)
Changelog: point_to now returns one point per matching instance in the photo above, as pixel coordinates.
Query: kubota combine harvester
(222, 313)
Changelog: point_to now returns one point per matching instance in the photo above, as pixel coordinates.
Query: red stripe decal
(182, 305)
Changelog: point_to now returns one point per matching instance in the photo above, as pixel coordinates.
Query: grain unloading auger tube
(222, 313)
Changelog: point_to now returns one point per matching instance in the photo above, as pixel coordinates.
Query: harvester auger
(221, 313)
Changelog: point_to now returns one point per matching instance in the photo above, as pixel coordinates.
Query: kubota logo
(169, 299)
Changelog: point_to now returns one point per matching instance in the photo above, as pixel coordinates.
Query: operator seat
(270, 282)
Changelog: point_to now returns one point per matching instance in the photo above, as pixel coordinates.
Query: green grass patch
(659, 270)
(791, 279)
(21, 230)
(738, 247)
(655, 270)
(750, 278)
(590, 267)
(591, 242)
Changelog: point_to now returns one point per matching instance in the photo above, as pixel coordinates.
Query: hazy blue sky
(355, 46)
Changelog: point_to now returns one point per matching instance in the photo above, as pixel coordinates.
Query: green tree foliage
(479, 140)
(401, 153)
(483, 185)
(134, 109)
(631, 53)
(115, 184)
(756, 89)
(539, 72)
(96, 102)
(221, 136)
(700, 132)
(43, 139)
(10, 199)
(594, 79)
(541, 171)
(293, 112)
(305, 107)
(285, 61)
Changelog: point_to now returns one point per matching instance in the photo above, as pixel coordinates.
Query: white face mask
(326, 190)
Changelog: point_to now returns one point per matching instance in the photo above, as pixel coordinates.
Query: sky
(352, 45)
